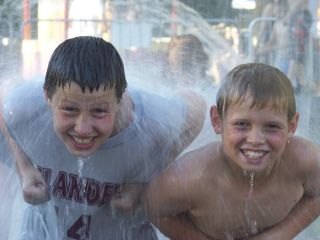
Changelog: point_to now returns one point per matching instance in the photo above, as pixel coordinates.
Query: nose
(83, 126)
(256, 136)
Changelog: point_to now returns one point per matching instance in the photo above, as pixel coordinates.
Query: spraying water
(141, 71)
(250, 221)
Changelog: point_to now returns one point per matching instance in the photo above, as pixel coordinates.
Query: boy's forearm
(302, 215)
(179, 228)
(196, 112)
(19, 157)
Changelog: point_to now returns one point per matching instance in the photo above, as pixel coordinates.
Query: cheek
(277, 141)
(62, 123)
(105, 126)
(233, 136)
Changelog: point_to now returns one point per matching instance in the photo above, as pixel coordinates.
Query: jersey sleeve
(162, 120)
(26, 114)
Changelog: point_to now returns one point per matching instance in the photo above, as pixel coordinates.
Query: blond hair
(264, 83)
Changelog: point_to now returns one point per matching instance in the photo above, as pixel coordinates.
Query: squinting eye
(69, 109)
(100, 110)
(273, 126)
(240, 124)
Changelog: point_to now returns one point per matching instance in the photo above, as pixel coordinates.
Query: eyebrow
(98, 100)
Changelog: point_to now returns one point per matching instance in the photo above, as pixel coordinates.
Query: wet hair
(186, 54)
(264, 83)
(90, 62)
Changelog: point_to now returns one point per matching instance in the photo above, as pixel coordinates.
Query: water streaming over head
(143, 69)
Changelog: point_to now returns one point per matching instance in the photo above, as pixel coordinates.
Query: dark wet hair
(264, 83)
(91, 62)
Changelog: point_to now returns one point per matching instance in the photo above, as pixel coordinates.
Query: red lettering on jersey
(93, 191)
(60, 185)
(108, 190)
(75, 190)
(80, 229)
(82, 190)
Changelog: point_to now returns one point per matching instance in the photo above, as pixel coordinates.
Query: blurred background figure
(264, 31)
(286, 47)
(299, 33)
(187, 65)
(187, 62)
(275, 46)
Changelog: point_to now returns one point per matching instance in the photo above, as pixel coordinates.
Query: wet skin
(83, 120)
(254, 139)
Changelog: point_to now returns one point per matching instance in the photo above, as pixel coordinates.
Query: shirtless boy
(259, 182)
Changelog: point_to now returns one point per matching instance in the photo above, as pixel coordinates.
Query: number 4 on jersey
(80, 229)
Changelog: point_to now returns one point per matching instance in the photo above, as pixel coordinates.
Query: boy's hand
(34, 188)
(127, 197)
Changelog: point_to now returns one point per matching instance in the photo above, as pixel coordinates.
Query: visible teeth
(253, 154)
(82, 140)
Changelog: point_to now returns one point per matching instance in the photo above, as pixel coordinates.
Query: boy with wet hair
(91, 144)
(259, 182)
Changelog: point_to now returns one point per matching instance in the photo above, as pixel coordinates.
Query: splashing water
(251, 222)
(143, 72)
(251, 182)
(81, 162)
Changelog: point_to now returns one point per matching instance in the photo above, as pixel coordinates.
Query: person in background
(299, 32)
(289, 40)
(277, 46)
(264, 31)
(187, 62)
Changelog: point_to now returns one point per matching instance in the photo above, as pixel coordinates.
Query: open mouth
(254, 156)
(83, 142)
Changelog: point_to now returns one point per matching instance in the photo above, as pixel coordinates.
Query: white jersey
(81, 188)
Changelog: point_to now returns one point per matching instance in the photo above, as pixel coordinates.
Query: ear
(293, 124)
(216, 120)
(47, 97)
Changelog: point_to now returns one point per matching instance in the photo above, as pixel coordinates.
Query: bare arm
(196, 111)
(127, 197)
(179, 227)
(33, 185)
(304, 213)
(167, 201)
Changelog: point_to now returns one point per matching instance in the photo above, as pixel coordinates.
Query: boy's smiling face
(83, 121)
(255, 138)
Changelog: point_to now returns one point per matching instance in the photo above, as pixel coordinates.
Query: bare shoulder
(184, 176)
(193, 166)
(182, 185)
(302, 155)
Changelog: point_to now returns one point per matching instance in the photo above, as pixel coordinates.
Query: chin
(256, 169)
(81, 152)
(252, 167)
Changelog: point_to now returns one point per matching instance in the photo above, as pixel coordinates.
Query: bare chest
(237, 211)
